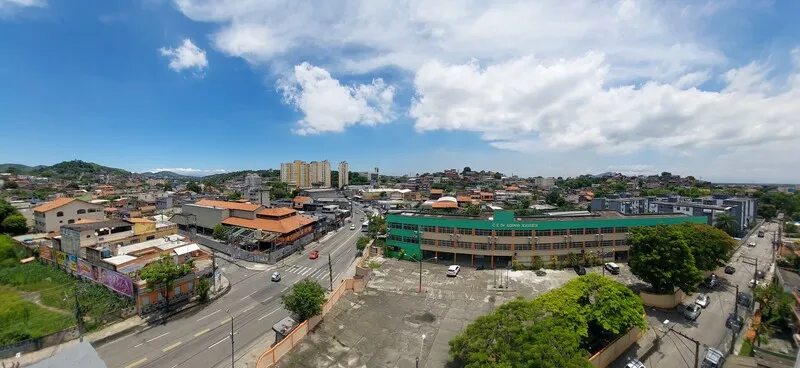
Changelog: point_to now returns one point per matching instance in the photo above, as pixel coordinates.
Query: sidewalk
(107, 335)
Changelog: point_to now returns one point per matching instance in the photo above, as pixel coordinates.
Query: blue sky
(701, 88)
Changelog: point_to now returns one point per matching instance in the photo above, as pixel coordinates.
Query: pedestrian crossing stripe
(308, 272)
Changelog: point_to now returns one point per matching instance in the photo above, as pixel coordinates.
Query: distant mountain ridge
(166, 175)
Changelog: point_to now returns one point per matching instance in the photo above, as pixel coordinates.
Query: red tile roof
(283, 226)
(138, 220)
(276, 212)
(58, 202)
(301, 199)
(228, 205)
(445, 204)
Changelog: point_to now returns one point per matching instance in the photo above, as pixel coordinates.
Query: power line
(679, 351)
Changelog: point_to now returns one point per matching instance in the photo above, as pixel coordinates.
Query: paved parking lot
(384, 325)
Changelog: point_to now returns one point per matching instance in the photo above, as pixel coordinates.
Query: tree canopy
(727, 223)
(194, 187)
(305, 300)
(549, 331)
(661, 257)
(554, 198)
(767, 211)
(711, 247)
(377, 226)
(219, 232)
(11, 221)
(279, 190)
(163, 274)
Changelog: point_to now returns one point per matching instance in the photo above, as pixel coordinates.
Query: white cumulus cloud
(185, 56)
(12, 6)
(330, 106)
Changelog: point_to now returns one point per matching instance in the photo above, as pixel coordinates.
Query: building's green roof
(505, 220)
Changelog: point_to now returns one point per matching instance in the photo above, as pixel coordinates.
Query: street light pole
(232, 346)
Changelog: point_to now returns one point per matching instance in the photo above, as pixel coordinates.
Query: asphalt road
(709, 328)
(199, 337)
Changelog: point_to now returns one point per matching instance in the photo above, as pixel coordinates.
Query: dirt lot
(390, 324)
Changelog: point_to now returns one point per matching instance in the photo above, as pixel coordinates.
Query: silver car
(702, 300)
(692, 312)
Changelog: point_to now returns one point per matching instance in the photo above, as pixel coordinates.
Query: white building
(344, 174)
(51, 216)
(252, 180)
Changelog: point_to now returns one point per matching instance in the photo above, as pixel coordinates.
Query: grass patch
(21, 320)
(374, 265)
(747, 348)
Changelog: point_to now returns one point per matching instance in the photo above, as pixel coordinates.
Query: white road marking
(247, 309)
(226, 320)
(173, 346)
(268, 314)
(201, 332)
(138, 345)
(159, 336)
(265, 300)
(219, 342)
(202, 318)
(140, 361)
(248, 295)
(284, 289)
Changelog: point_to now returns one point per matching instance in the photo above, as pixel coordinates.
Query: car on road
(702, 300)
(751, 244)
(580, 270)
(612, 267)
(730, 270)
(710, 281)
(635, 363)
(734, 322)
(540, 273)
(353, 227)
(453, 270)
(276, 276)
(692, 311)
(313, 255)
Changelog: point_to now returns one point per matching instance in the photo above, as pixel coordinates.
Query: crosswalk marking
(308, 272)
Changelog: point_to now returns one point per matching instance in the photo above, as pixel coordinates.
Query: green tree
(497, 176)
(775, 302)
(6, 209)
(377, 226)
(466, 170)
(472, 210)
(383, 195)
(14, 224)
(305, 300)
(518, 334)
(660, 256)
(168, 186)
(362, 242)
(193, 187)
(203, 287)
(10, 185)
(727, 223)
(279, 190)
(163, 273)
(554, 198)
(711, 247)
(220, 232)
(767, 211)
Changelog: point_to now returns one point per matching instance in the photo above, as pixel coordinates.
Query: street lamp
(422, 342)
(419, 289)
(232, 349)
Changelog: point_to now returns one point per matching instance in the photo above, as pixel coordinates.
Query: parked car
(612, 267)
(734, 322)
(702, 300)
(744, 299)
(635, 363)
(730, 270)
(760, 275)
(313, 255)
(713, 359)
(751, 244)
(580, 270)
(453, 270)
(353, 227)
(276, 276)
(692, 311)
(540, 273)
(710, 281)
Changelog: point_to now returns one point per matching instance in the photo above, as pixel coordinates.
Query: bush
(203, 287)
(362, 242)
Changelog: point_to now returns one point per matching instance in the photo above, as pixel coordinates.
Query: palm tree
(727, 223)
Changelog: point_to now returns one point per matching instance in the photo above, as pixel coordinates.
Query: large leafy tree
(768, 211)
(14, 224)
(194, 187)
(776, 305)
(377, 225)
(305, 300)
(220, 232)
(711, 247)
(518, 334)
(727, 223)
(163, 273)
(661, 257)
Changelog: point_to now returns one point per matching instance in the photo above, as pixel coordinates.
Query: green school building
(497, 239)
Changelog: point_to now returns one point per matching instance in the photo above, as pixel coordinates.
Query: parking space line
(173, 346)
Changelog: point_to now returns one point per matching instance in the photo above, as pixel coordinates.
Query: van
(613, 268)
(713, 359)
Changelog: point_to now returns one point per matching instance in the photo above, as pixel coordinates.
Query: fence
(39, 343)
(238, 253)
(613, 350)
(283, 347)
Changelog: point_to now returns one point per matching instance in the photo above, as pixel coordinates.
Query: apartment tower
(344, 172)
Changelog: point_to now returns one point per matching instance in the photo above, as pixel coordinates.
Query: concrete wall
(207, 217)
(50, 221)
(610, 353)
(666, 301)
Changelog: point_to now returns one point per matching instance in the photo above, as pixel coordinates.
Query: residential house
(49, 217)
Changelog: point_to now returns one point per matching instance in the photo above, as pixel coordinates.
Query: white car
(702, 300)
(352, 227)
(453, 270)
(751, 244)
(276, 276)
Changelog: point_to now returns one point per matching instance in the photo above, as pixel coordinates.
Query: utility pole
(78, 315)
(214, 270)
(696, 347)
(232, 346)
(330, 271)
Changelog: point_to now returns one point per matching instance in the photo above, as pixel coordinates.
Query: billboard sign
(117, 282)
(84, 269)
(61, 258)
(73, 262)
